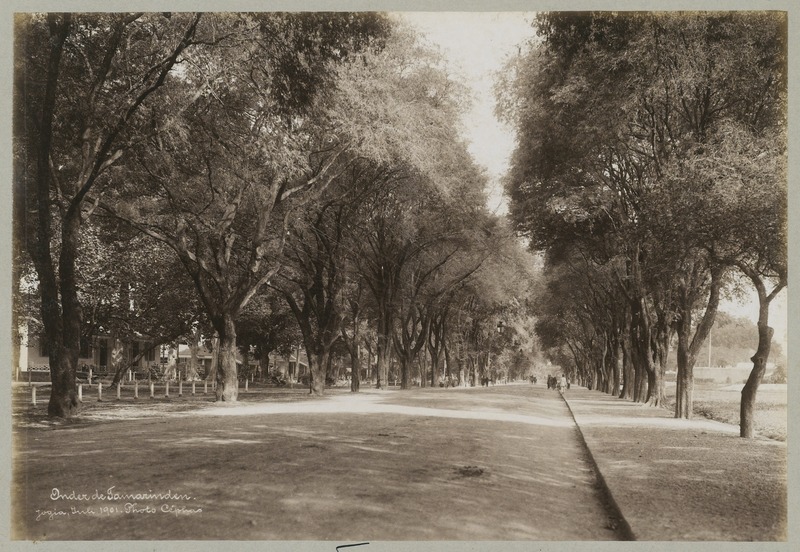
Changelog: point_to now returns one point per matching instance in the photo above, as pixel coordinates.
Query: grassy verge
(721, 402)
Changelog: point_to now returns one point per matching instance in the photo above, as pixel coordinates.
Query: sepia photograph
(392, 276)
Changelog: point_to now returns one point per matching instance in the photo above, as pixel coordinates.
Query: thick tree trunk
(63, 404)
(318, 367)
(406, 362)
(226, 377)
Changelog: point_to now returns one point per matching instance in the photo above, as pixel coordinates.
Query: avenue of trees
(264, 178)
(650, 172)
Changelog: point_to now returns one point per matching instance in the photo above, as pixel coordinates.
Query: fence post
(193, 388)
(118, 397)
(135, 389)
(152, 391)
(205, 387)
(90, 375)
(166, 390)
(99, 391)
(80, 392)
(33, 395)
(246, 384)
(180, 388)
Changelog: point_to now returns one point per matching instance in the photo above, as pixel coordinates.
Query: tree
(220, 183)
(80, 83)
(617, 114)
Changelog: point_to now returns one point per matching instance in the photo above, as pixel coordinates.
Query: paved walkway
(686, 480)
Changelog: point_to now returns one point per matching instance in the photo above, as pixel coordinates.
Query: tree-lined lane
(408, 474)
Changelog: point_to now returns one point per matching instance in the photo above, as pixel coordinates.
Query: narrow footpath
(683, 480)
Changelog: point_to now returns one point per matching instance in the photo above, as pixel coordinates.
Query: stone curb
(622, 528)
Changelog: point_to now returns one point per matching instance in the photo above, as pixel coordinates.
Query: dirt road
(498, 463)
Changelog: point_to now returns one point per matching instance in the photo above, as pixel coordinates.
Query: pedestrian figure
(562, 385)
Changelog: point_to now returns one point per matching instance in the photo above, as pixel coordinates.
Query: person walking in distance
(562, 384)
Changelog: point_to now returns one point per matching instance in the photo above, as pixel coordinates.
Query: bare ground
(684, 480)
(503, 463)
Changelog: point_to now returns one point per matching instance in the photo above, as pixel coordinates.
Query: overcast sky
(476, 45)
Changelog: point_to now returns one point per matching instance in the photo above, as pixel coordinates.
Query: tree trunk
(627, 369)
(615, 360)
(759, 359)
(227, 379)
(63, 404)
(436, 374)
(355, 368)
(317, 367)
(211, 374)
(194, 346)
(684, 387)
(383, 363)
(756, 374)
(689, 345)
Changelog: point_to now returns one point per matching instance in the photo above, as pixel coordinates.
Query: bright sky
(476, 45)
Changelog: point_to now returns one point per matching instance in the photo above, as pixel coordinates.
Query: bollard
(136, 390)
(33, 395)
(90, 375)
(205, 387)
(192, 388)
(246, 384)
(180, 388)
(152, 391)
(166, 390)
(80, 392)
(99, 391)
(118, 397)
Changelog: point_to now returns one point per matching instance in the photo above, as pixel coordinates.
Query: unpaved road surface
(499, 463)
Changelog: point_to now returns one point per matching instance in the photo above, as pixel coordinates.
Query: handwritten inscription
(113, 502)
(113, 495)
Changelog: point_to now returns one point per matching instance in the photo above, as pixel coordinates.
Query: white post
(166, 390)
(99, 391)
(80, 392)
(33, 395)
(180, 387)
(136, 390)
(205, 387)
(117, 390)
(193, 383)
(246, 384)
(152, 390)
